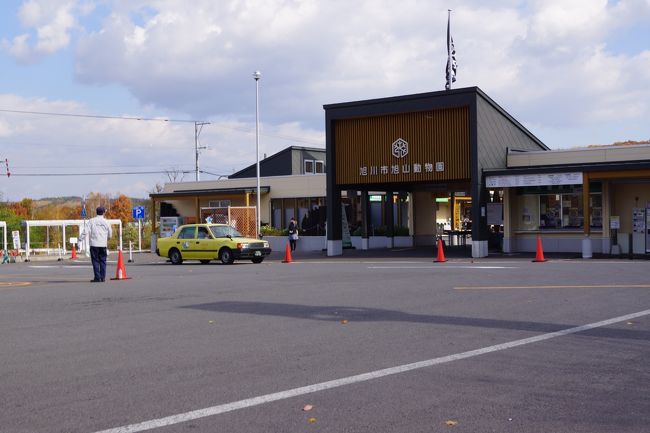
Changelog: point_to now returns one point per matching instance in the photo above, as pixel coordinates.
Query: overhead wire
(100, 173)
(148, 119)
(95, 116)
(153, 119)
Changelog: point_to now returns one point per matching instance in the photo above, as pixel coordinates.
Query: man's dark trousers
(98, 257)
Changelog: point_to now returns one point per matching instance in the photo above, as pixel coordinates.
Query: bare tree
(175, 174)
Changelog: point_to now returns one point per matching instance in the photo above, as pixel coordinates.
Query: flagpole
(448, 85)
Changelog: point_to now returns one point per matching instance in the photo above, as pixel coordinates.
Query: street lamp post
(257, 75)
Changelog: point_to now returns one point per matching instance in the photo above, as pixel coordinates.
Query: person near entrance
(99, 232)
(293, 233)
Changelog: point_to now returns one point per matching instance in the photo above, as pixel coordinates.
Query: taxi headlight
(241, 246)
(266, 244)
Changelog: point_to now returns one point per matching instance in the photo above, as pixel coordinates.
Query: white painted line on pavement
(445, 266)
(63, 266)
(283, 395)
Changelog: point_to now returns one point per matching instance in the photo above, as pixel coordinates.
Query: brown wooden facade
(431, 137)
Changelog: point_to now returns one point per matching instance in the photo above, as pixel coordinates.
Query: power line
(149, 119)
(214, 174)
(99, 174)
(94, 116)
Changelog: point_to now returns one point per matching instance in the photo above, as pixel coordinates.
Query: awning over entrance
(197, 194)
(208, 192)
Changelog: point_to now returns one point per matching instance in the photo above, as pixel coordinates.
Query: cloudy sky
(574, 73)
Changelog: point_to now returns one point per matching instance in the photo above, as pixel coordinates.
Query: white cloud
(558, 22)
(52, 22)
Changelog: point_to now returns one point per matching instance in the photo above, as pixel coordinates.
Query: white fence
(4, 235)
(63, 224)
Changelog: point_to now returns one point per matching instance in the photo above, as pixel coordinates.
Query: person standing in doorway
(99, 232)
(293, 233)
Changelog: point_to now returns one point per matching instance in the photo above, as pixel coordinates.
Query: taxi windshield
(224, 231)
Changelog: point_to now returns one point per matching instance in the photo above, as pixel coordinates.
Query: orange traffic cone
(120, 274)
(287, 254)
(539, 256)
(74, 252)
(441, 254)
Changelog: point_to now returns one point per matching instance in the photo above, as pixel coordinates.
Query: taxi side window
(187, 233)
(203, 233)
(219, 232)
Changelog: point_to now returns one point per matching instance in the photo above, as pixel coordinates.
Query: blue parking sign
(138, 212)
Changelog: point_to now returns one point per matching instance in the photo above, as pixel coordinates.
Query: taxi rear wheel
(226, 256)
(257, 259)
(175, 257)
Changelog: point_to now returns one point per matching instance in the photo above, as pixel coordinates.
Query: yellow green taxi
(206, 242)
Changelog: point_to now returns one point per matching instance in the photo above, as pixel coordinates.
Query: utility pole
(198, 126)
(257, 75)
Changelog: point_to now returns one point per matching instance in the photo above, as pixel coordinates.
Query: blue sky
(574, 73)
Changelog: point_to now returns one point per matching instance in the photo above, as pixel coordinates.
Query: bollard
(130, 252)
(60, 259)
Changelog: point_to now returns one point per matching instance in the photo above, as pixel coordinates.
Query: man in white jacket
(99, 232)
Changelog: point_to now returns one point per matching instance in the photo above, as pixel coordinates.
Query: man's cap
(101, 210)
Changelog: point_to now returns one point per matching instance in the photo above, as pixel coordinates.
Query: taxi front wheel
(175, 257)
(226, 256)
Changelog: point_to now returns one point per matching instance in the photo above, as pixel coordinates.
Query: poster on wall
(347, 239)
(495, 214)
(638, 220)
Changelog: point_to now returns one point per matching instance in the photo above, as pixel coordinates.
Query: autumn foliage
(67, 208)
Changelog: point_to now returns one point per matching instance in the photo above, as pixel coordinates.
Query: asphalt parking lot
(373, 343)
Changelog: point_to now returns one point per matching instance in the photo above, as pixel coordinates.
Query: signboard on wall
(541, 179)
(432, 145)
(15, 237)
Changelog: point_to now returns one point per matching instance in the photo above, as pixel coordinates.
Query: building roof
(208, 192)
(446, 98)
(276, 155)
(601, 158)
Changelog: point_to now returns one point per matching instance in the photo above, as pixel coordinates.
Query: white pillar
(586, 247)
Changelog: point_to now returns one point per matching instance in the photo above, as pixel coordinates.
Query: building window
(219, 203)
(556, 210)
(313, 166)
(276, 213)
(560, 211)
(310, 212)
(309, 166)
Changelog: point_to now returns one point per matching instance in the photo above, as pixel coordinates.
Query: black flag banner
(451, 56)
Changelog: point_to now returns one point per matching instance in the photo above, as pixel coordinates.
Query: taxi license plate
(258, 253)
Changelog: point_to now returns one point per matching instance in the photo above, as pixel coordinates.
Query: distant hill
(72, 201)
(58, 201)
(622, 143)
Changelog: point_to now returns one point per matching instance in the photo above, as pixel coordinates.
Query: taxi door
(220, 239)
(205, 246)
(186, 242)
